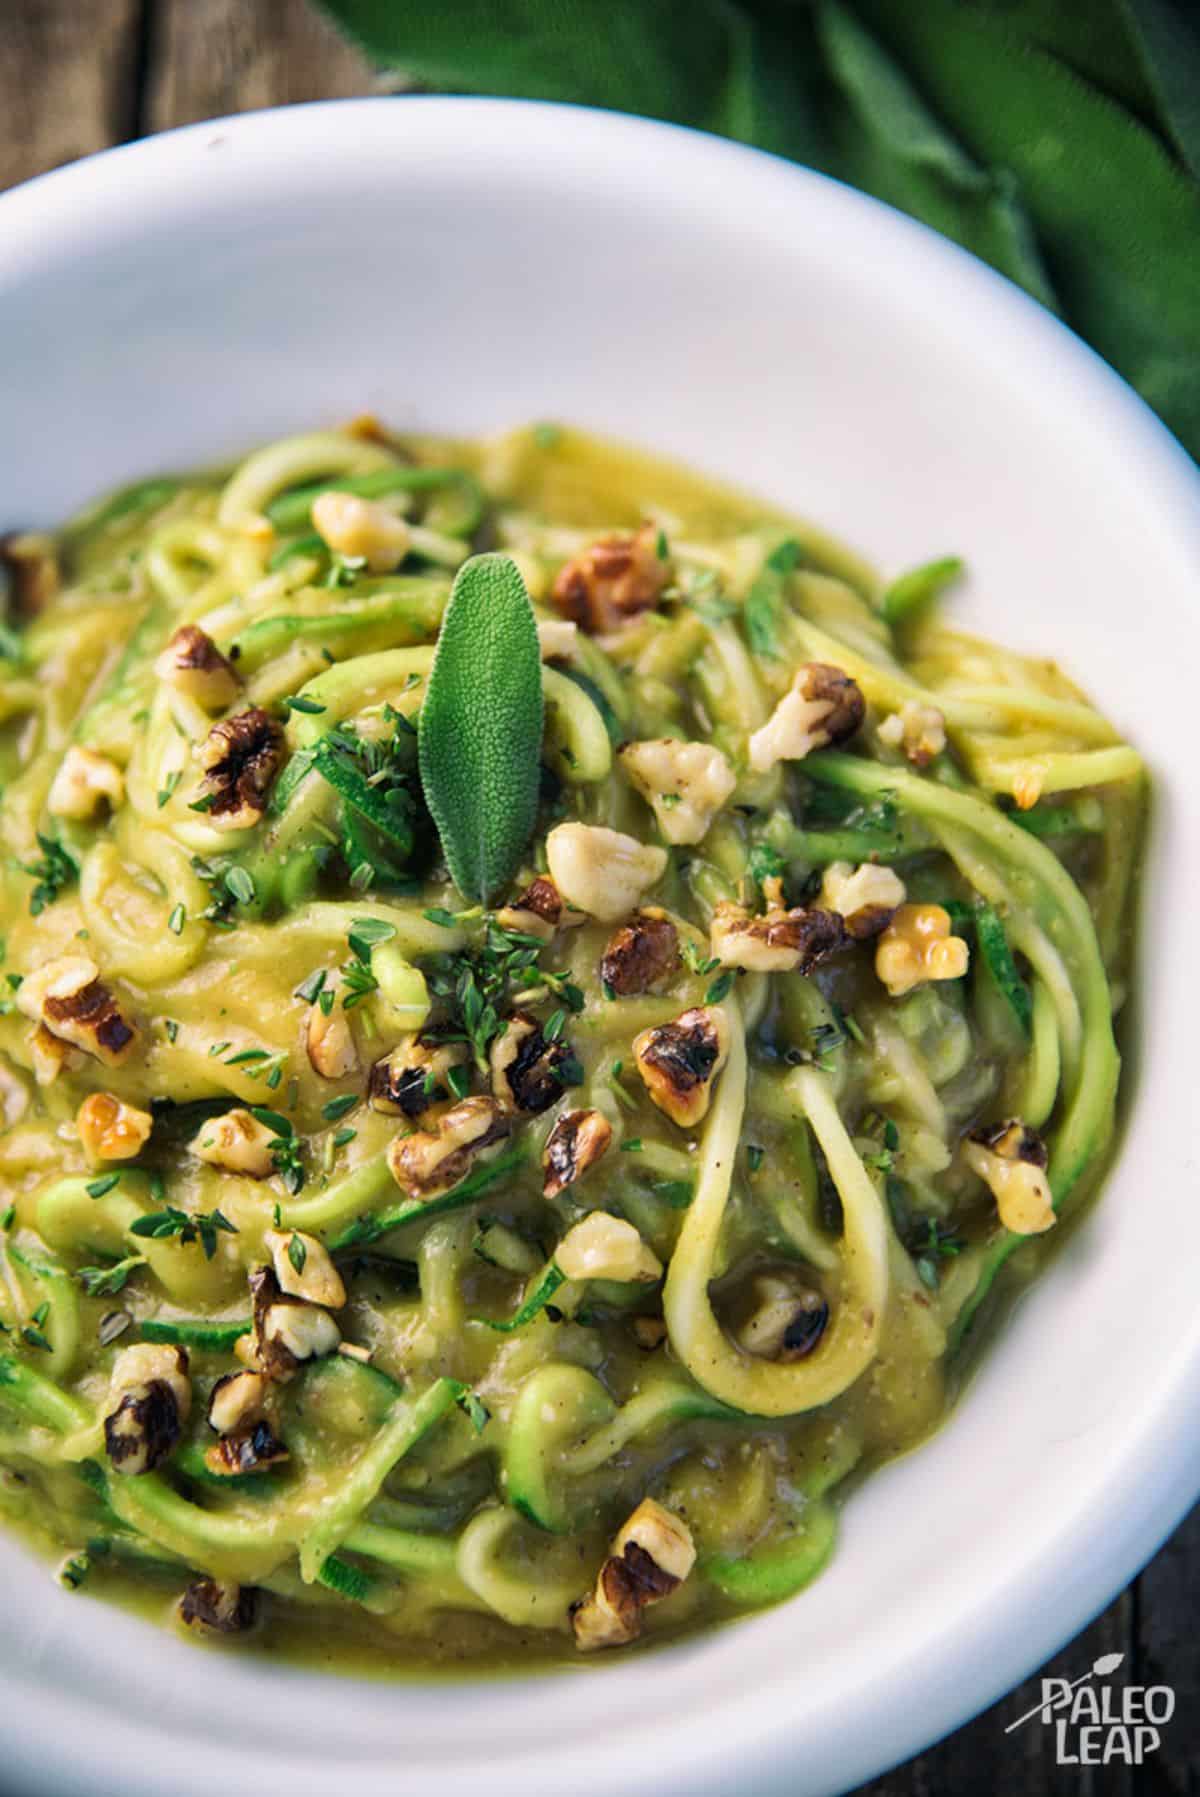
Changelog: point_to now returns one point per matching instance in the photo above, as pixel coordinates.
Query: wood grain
(77, 75)
(70, 76)
(210, 57)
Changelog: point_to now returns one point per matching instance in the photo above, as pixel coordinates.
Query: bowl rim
(1012, 1635)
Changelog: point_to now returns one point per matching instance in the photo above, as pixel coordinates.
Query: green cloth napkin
(1057, 139)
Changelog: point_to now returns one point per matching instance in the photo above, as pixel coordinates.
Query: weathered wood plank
(69, 77)
(1168, 1652)
(210, 57)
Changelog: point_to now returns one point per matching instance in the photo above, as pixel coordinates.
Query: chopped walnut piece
(651, 1556)
(356, 527)
(30, 560)
(69, 999)
(253, 1449)
(787, 1322)
(538, 911)
(780, 941)
(528, 1073)
(237, 1143)
(49, 1056)
(1011, 1159)
(433, 1161)
(236, 1400)
(286, 1331)
(601, 871)
(607, 1247)
(918, 946)
(918, 730)
(240, 758)
(110, 1129)
(83, 783)
(576, 1143)
(641, 955)
(329, 1041)
(149, 1400)
(867, 896)
(414, 1076)
(679, 1063)
(822, 706)
(685, 784)
(304, 1269)
(612, 580)
(219, 1607)
(195, 667)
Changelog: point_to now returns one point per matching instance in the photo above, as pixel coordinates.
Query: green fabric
(1059, 140)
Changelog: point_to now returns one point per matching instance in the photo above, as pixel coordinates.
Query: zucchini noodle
(406, 1261)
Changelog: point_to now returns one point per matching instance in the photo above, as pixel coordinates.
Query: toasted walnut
(285, 1330)
(237, 1400)
(612, 580)
(686, 784)
(111, 1130)
(304, 1269)
(219, 1607)
(601, 871)
(576, 1143)
(434, 1161)
(1011, 1159)
(362, 528)
(651, 1556)
(240, 758)
(606, 1247)
(330, 1043)
(779, 941)
(68, 997)
(679, 1063)
(254, 1449)
(786, 1323)
(641, 955)
(83, 783)
(822, 706)
(558, 639)
(237, 1143)
(917, 946)
(918, 730)
(50, 1057)
(149, 1400)
(538, 911)
(649, 1333)
(414, 1076)
(528, 1072)
(192, 664)
(30, 561)
(867, 896)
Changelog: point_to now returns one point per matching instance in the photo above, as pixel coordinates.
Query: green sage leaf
(481, 726)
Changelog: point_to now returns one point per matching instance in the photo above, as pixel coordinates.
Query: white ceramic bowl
(473, 264)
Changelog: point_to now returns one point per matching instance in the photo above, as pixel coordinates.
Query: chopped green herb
(99, 1188)
(300, 702)
(106, 1282)
(239, 883)
(177, 920)
(720, 988)
(631, 1145)
(201, 1226)
(338, 1107)
(168, 787)
(754, 1158)
(54, 872)
(297, 1253)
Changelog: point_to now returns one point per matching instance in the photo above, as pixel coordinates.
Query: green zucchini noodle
(691, 1157)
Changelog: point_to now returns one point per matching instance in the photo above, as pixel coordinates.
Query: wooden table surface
(77, 75)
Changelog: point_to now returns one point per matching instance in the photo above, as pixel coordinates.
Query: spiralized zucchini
(691, 1167)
